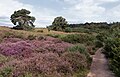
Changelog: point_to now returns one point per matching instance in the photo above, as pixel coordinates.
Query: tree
(59, 23)
(22, 20)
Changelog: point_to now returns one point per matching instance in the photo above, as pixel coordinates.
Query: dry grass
(35, 31)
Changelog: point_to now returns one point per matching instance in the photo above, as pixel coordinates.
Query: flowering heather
(12, 46)
(12, 40)
(15, 48)
(46, 57)
(48, 64)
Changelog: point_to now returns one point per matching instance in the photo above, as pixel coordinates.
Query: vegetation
(58, 24)
(62, 50)
(22, 19)
(34, 54)
(112, 47)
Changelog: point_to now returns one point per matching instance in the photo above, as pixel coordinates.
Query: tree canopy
(22, 20)
(59, 23)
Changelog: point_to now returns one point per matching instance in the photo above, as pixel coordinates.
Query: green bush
(54, 35)
(6, 72)
(98, 44)
(3, 58)
(112, 51)
(68, 29)
(78, 38)
(81, 49)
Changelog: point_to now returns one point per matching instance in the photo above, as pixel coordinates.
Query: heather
(42, 56)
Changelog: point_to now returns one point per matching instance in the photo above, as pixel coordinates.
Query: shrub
(11, 40)
(81, 49)
(98, 44)
(31, 37)
(91, 50)
(112, 51)
(40, 31)
(6, 72)
(3, 59)
(41, 37)
(68, 29)
(102, 36)
(54, 35)
(1, 40)
(78, 38)
(77, 60)
(19, 47)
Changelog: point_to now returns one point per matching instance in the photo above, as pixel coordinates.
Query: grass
(36, 31)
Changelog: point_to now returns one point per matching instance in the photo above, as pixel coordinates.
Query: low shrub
(91, 50)
(78, 38)
(98, 44)
(54, 35)
(81, 49)
(11, 40)
(41, 37)
(77, 60)
(6, 72)
(31, 37)
(1, 40)
(17, 48)
(112, 51)
(68, 29)
(40, 31)
(3, 59)
(13, 34)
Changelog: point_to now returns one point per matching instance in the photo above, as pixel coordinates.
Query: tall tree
(22, 20)
(59, 23)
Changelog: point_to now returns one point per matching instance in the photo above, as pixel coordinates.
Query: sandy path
(99, 67)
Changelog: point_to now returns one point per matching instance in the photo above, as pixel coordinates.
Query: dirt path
(99, 67)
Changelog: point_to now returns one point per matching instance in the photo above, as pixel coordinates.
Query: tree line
(23, 21)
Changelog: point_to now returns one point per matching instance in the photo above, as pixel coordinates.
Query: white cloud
(91, 10)
(75, 11)
(43, 15)
(7, 7)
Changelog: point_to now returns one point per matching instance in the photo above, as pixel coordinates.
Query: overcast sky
(75, 11)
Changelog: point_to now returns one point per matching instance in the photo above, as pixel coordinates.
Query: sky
(75, 11)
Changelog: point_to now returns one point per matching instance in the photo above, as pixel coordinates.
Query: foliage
(42, 58)
(15, 48)
(3, 59)
(12, 34)
(31, 37)
(22, 19)
(40, 31)
(68, 29)
(58, 24)
(81, 49)
(54, 35)
(78, 38)
(112, 48)
(6, 72)
(98, 44)
(102, 36)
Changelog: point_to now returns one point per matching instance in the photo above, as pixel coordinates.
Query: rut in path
(99, 67)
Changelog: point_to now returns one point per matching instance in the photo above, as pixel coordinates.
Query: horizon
(74, 11)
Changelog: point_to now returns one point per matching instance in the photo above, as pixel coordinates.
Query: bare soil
(99, 67)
